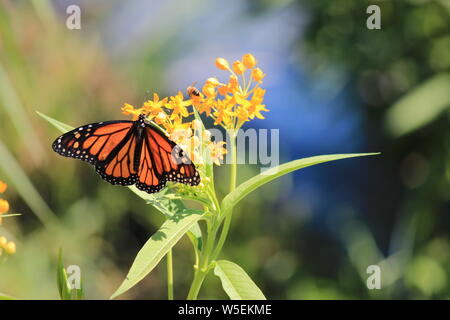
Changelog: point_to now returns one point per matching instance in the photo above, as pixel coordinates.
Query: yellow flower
(209, 90)
(229, 104)
(154, 107)
(249, 61)
(242, 114)
(213, 81)
(4, 206)
(128, 109)
(178, 106)
(217, 151)
(223, 90)
(10, 247)
(257, 74)
(222, 64)
(3, 186)
(258, 96)
(3, 242)
(238, 67)
(255, 110)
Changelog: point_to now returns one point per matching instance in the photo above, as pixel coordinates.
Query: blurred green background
(333, 86)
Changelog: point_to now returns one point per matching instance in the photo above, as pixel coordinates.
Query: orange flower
(3, 186)
(213, 81)
(178, 106)
(10, 247)
(128, 109)
(229, 104)
(222, 64)
(209, 91)
(249, 61)
(238, 67)
(4, 206)
(154, 107)
(257, 74)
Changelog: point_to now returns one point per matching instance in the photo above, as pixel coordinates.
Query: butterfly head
(142, 120)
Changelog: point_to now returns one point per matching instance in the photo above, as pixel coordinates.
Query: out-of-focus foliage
(401, 223)
(400, 76)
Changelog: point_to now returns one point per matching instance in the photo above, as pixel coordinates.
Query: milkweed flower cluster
(239, 100)
(230, 104)
(9, 247)
(174, 116)
(6, 246)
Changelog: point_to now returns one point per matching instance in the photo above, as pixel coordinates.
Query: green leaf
(236, 282)
(61, 279)
(156, 248)
(420, 106)
(4, 296)
(10, 215)
(245, 188)
(167, 206)
(64, 289)
(58, 124)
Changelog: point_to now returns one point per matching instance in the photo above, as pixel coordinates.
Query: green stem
(228, 215)
(209, 253)
(199, 276)
(233, 167)
(169, 275)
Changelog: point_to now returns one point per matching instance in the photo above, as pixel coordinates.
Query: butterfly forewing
(93, 142)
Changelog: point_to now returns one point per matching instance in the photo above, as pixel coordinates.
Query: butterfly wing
(129, 152)
(162, 160)
(110, 146)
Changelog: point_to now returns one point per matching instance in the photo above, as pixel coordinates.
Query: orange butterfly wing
(107, 145)
(162, 160)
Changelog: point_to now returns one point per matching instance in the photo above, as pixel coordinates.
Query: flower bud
(249, 61)
(222, 64)
(209, 90)
(3, 186)
(3, 242)
(10, 247)
(238, 67)
(4, 206)
(212, 81)
(257, 74)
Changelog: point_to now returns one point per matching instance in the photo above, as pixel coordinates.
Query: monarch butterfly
(129, 152)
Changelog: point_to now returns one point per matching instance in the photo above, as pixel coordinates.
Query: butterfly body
(129, 152)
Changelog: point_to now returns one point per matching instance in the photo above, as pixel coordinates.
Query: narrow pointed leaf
(245, 188)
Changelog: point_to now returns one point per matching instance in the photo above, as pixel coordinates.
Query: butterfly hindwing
(162, 160)
(119, 167)
(150, 179)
